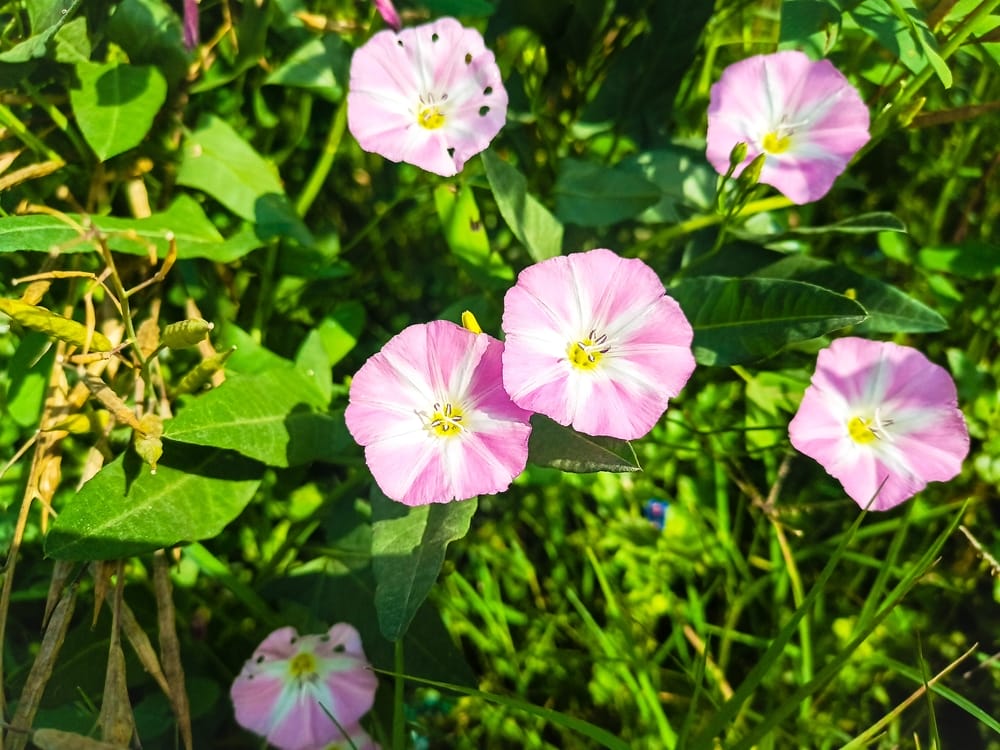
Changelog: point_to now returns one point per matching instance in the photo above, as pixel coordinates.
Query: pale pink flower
(432, 414)
(804, 115)
(429, 96)
(876, 413)
(592, 341)
(388, 12)
(357, 739)
(292, 684)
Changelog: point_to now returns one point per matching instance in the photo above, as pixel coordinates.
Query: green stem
(362, 233)
(318, 176)
(805, 624)
(263, 310)
(61, 121)
(398, 716)
(959, 35)
(119, 289)
(8, 118)
(701, 222)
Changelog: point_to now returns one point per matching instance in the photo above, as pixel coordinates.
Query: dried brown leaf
(41, 669)
(61, 572)
(57, 739)
(143, 648)
(170, 650)
(116, 719)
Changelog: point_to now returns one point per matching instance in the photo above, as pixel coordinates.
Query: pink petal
(289, 710)
(395, 74)
(562, 300)
(925, 438)
(812, 101)
(388, 12)
(256, 700)
(394, 392)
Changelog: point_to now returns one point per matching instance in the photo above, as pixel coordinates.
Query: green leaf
(685, 181)
(642, 81)
(219, 162)
(250, 356)
(47, 17)
(196, 236)
(563, 448)
(29, 370)
(467, 8)
(150, 32)
(321, 65)
(339, 331)
(737, 321)
(903, 31)
(466, 237)
(115, 104)
(593, 195)
(408, 548)
(125, 509)
(311, 359)
(535, 228)
(73, 42)
(596, 735)
(876, 221)
(972, 259)
(889, 309)
(809, 25)
(268, 417)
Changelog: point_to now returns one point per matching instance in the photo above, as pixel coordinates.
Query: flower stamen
(586, 353)
(302, 666)
(864, 431)
(446, 422)
(430, 117)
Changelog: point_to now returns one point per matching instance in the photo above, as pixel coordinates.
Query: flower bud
(185, 333)
(738, 154)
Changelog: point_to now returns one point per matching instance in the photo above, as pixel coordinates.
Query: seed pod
(55, 325)
(185, 333)
(147, 439)
(193, 381)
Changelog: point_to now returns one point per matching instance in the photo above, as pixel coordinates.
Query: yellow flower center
(446, 421)
(860, 430)
(864, 431)
(302, 666)
(430, 117)
(774, 143)
(587, 353)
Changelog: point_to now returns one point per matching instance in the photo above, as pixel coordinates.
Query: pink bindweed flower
(876, 413)
(432, 414)
(388, 12)
(429, 96)
(293, 684)
(804, 116)
(592, 341)
(191, 37)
